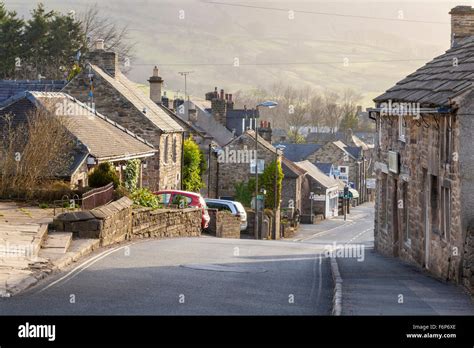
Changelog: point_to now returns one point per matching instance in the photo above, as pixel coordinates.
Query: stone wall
(400, 228)
(223, 224)
(166, 223)
(468, 260)
(110, 223)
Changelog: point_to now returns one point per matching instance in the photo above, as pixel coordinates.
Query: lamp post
(278, 152)
(270, 105)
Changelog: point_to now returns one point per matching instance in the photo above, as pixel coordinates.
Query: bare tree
(33, 152)
(116, 38)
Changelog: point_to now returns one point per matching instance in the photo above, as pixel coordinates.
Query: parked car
(189, 199)
(236, 208)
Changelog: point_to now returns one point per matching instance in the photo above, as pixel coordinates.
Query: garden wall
(223, 224)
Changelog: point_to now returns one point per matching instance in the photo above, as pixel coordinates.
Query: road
(200, 276)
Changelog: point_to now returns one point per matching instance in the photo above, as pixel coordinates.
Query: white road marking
(325, 232)
(87, 264)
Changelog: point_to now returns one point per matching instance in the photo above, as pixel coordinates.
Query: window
(405, 220)
(446, 139)
(175, 149)
(401, 128)
(166, 150)
(434, 202)
(344, 173)
(445, 212)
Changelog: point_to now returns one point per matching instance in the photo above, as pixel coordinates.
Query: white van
(236, 208)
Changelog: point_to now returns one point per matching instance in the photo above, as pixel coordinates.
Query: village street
(210, 276)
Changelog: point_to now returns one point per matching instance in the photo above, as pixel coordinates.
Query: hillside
(325, 51)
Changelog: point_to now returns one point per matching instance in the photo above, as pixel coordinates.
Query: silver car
(236, 208)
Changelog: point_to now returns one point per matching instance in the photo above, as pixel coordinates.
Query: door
(395, 229)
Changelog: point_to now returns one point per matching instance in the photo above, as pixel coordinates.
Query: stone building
(102, 86)
(349, 161)
(292, 184)
(425, 161)
(324, 200)
(97, 139)
(237, 159)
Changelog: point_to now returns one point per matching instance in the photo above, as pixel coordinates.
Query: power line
(324, 13)
(288, 63)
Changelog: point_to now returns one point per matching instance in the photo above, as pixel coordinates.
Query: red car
(191, 199)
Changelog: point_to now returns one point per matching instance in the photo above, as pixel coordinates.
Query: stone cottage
(322, 190)
(97, 138)
(103, 87)
(236, 162)
(292, 184)
(350, 162)
(425, 161)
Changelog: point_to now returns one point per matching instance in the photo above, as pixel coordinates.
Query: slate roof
(234, 119)
(290, 169)
(319, 137)
(324, 167)
(261, 141)
(299, 152)
(101, 137)
(353, 151)
(317, 175)
(140, 101)
(440, 79)
(10, 88)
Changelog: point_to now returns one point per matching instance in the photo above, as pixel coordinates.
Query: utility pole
(185, 74)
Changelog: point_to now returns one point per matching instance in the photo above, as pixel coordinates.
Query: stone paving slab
(375, 287)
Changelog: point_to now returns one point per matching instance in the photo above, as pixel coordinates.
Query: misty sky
(364, 45)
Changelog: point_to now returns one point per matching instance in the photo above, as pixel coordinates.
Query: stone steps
(57, 242)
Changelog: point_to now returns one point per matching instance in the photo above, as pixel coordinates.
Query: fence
(97, 197)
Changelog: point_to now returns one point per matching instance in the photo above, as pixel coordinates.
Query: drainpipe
(182, 162)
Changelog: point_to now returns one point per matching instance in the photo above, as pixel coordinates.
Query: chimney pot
(230, 96)
(155, 71)
(222, 94)
(226, 96)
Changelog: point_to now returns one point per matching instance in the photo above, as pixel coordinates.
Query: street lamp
(266, 104)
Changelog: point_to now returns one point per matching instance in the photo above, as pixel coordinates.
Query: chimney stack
(106, 60)
(156, 83)
(462, 23)
(265, 131)
(218, 106)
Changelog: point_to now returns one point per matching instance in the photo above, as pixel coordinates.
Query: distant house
(98, 139)
(102, 86)
(236, 162)
(325, 192)
(292, 185)
(349, 162)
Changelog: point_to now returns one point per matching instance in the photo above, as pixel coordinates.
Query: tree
(33, 152)
(116, 38)
(272, 172)
(350, 119)
(192, 166)
(11, 45)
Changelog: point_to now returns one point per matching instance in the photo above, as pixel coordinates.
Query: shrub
(103, 175)
(268, 182)
(145, 198)
(193, 164)
(131, 173)
(244, 192)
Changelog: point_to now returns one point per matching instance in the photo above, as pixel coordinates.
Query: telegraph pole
(185, 74)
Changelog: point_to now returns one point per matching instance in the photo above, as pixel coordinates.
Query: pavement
(376, 285)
